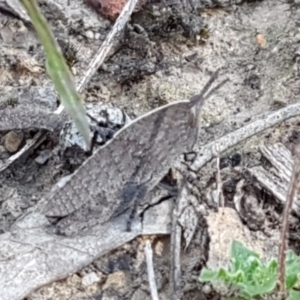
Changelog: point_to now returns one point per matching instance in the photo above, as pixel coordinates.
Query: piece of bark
(281, 158)
(276, 184)
(31, 258)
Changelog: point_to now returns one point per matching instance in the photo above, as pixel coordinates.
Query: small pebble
(89, 34)
(206, 289)
(43, 156)
(115, 116)
(140, 294)
(261, 41)
(116, 280)
(90, 278)
(12, 141)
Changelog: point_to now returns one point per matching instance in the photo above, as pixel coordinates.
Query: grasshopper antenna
(199, 99)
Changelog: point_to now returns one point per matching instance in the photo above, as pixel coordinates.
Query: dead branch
(207, 152)
(277, 184)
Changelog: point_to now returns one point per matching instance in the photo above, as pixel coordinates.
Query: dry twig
(175, 247)
(220, 196)
(207, 152)
(150, 270)
(292, 193)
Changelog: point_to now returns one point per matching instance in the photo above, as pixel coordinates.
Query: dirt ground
(160, 59)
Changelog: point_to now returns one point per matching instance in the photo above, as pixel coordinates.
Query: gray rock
(90, 278)
(43, 156)
(104, 123)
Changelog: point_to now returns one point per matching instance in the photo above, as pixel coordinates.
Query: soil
(160, 59)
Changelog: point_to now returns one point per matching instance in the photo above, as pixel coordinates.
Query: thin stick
(292, 192)
(150, 269)
(175, 280)
(219, 182)
(207, 152)
(176, 241)
(105, 47)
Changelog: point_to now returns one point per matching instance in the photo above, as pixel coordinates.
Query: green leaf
(294, 295)
(265, 287)
(208, 275)
(260, 279)
(58, 71)
(292, 269)
(222, 275)
(252, 277)
(240, 255)
(231, 277)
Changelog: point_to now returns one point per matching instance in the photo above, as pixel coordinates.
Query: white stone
(90, 278)
(89, 34)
